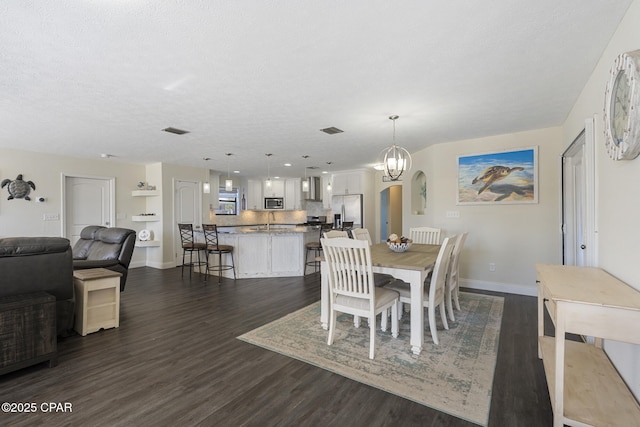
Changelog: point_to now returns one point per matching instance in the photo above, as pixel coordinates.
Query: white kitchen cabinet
(254, 194)
(276, 189)
(286, 253)
(253, 256)
(292, 190)
(347, 183)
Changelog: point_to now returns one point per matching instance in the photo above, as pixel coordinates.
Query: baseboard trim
(158, 265)
(529, 290)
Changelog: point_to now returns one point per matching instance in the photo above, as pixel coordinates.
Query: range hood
(315, 189)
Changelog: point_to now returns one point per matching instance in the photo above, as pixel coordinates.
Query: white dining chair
(452, 285)
(352, 290)
(332, 234)
(425, 235)
(361, 234)
(434, 294)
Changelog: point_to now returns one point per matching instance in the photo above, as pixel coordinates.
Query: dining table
(411, 266)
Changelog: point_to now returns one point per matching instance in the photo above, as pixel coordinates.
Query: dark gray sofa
(33, 264)
(102, 247)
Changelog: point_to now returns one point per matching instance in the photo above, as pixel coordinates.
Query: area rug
(455, 377)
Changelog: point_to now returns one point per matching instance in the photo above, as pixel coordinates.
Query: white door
(578, 201)
(574, 210)
(187, 210)
(87, 201)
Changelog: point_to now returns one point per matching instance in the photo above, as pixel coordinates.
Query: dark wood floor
(175, 360)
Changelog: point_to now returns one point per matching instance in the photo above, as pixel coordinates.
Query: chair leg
(372, 336)
(332, 327)
(306, 257)
(443, 315)
(219, 267)
(394, 320)
(456, 294)
(384, 320)
(206, 267)
(182, 267)
(448, 298)
(233, 265)
(432, 325)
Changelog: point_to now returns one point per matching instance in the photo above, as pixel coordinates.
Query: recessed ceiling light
(287, 164)
(332, 130)
(236, 171)
(175, 130)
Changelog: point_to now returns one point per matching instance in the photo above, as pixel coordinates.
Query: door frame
(63, 185)
(585, 141)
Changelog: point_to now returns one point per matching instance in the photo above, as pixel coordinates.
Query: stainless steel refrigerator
(349, 207)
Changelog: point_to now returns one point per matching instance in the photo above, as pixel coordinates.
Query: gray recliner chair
(102, 247)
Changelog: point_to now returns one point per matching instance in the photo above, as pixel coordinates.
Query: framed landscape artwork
(501, 177)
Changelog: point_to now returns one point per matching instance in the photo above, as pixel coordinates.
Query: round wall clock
(144, 235)
(622, 108)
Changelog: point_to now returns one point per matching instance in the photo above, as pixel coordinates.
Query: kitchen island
(261, 251)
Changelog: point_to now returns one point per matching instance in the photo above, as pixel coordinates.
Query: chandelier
(395, 159)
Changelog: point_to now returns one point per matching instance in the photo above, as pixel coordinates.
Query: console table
(584, 386)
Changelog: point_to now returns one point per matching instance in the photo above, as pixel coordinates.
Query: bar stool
(316, 248)
(213, 247)
(189, 245)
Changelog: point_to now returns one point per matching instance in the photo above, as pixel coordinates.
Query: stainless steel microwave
(274, 203)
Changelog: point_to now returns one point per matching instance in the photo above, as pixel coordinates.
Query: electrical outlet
(453, 214)
(492, 266)
(51, 217)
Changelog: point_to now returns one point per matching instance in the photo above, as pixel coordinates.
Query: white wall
(618, 200)
(19, 217)
(513, 236)
(25, 218)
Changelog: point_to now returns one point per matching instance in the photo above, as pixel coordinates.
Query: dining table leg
(417, 311)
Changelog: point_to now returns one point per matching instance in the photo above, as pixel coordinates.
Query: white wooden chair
(352, 289)
(332, 234)
(452, 285)
(361, 234)
(425, 235)
(434, 296)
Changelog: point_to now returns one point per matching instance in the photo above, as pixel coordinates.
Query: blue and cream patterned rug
(455, 377)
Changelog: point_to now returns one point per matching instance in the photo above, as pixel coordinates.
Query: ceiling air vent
(175, 130)
(332, 130)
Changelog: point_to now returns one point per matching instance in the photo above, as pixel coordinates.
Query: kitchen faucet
(269, 218)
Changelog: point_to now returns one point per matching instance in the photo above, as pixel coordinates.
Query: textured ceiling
(81, 78)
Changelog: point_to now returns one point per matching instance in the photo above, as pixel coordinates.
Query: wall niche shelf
(145, 193)
(148, 243)
(418, 193)
(145, 218)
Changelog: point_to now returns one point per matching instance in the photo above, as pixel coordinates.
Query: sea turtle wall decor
(18, 189)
